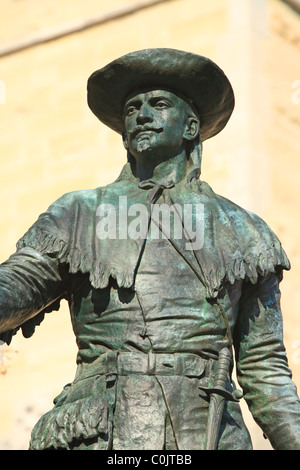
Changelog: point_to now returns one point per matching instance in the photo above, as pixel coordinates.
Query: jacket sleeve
(262, 367)
(31, 284)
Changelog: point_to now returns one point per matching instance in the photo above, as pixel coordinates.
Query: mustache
(143, 128)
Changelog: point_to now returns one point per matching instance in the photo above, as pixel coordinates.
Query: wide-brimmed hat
(192, 76)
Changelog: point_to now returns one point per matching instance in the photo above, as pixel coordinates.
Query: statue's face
(157, 120)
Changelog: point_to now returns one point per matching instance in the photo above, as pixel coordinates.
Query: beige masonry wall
(50, 143)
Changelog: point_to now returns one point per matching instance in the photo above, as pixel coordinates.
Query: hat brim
(193, 76)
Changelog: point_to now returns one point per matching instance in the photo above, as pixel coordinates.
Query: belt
(127, 363)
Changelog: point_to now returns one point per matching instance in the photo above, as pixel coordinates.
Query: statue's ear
(125, 140)
(192, 128)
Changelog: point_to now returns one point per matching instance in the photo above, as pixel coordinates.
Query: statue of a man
(167, 282)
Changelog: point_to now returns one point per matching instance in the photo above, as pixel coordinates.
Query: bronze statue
(167, 282)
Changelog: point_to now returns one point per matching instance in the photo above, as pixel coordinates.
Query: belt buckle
(189, 365)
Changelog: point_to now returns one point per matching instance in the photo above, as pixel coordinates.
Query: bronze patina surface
(168, 283)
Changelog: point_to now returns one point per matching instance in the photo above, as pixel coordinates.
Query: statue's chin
(143, 145)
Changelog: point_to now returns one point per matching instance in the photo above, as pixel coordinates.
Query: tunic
(149, 333)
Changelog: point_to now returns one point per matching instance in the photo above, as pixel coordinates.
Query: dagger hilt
(219, 387)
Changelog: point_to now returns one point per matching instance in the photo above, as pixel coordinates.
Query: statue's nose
(144, 114)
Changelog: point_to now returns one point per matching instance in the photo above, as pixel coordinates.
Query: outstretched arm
(262, 367)
(30, 284)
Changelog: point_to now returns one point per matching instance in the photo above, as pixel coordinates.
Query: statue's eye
(161, 104)
(130, 110)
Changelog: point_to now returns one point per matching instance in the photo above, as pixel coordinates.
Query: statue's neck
(174, 169)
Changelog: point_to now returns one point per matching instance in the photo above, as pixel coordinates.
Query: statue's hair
(194, 158)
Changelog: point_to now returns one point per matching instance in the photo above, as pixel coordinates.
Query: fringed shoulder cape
(237, 244)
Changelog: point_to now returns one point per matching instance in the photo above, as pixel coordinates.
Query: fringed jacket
(151, 316)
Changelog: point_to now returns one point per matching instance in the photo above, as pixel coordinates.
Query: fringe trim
(239, 269)
(28, 327)
(268, 261)
(46, 243)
